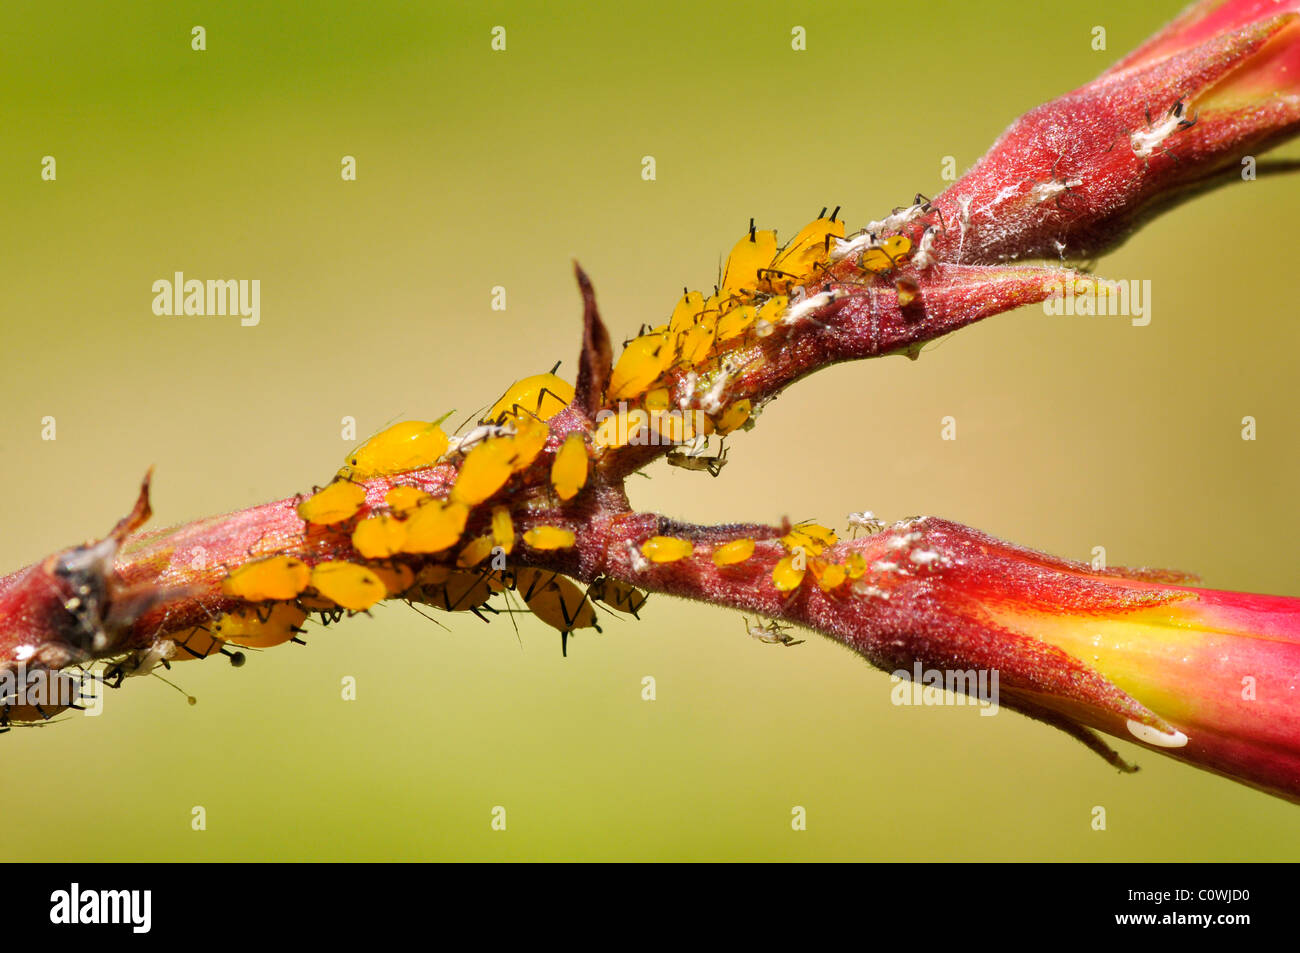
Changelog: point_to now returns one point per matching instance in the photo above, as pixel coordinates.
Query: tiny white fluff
(804, 308)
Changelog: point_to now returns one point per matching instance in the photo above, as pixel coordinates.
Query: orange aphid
(475, 551)
(736, 551)
(503, 528)
(751, 254)
(379, 537)
(569, 469)
(809, 247)
(642, 362)
(530, 438)
(691, 304)
(786, 576)
(403, 498)
(736, 322)
(827, 575)
(397, 578)
(337, 502)
(277, 578)
(434, 527)
(404, 446)
(733, 417)
(618, 428)
(886, 254)
(348, 585)
(666, 549)
(486, 469)
(252, 629)
(549, 537)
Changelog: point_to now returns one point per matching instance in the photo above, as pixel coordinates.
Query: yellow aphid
(828, 575)
(675, 428)
(403, 498)
(434, 527)
(691, 304)
(733, 417)
(475, 551)
(813, 539)
(404, 446)
(379, 537)
(616, 429)
(886, 254)
(855, 566)
(485, 470)
(334, 504)
(751, 254)
(736, 551)
(555, 600)
(617, 595)
(693, 347)
(569, 470)
(452, 591)
(396, 578)
(549, 537)
(252, 629)
(541, 396)
(503, 529)
(529, 440)
(736, 322)
(277, 578)
(773, 308)
(809, 247)
(786, 576)
(658, 399)
(666, 549)
(640, 365)
(348, 585)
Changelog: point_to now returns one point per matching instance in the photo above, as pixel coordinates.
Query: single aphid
(666, 549)
(828, 575)
(486, 469)
(751, 254)
(736, 551)
(557, 601)
(642, 362)
(811, 246)
(774, 633)
(541, 396)
(379, 537)
(701, 464)
(474, 552)
(618, 595)
(404, 498)
(881, 256)
(396, 577)
(786, 576)
(569, 469)
(734, 417)
(253, 629)
(335, 503)
(529, 440)
(549, 537)
(435, 526)
(274, 579)
(348, 585)
(405, 446)
(503, 529)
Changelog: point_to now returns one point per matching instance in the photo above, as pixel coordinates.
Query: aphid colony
(762, 288)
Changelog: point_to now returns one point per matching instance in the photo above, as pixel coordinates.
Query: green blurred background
(479, 168)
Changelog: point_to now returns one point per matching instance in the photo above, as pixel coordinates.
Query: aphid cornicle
(405, 446)
(541, 396)
(810, 247)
